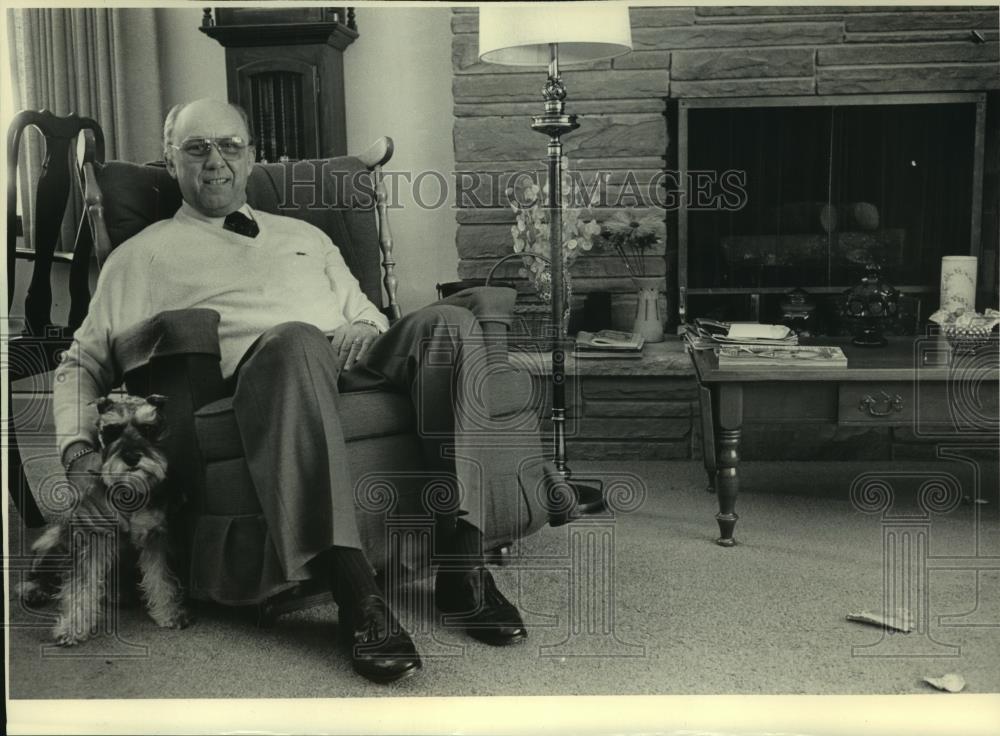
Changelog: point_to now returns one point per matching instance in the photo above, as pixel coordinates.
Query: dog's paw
(184, 619)
(65, 638)
(179, 619)
(64, 634)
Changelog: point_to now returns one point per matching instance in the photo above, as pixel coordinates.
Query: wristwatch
(368, 322)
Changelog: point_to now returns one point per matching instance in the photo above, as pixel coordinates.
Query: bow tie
(240, 224)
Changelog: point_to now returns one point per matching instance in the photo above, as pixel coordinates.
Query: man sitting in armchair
(295, 330)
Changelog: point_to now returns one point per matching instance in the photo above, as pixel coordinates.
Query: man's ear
(168, 159)
(251, 158)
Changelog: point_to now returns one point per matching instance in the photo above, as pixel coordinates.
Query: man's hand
(82, 474)
(352, 342)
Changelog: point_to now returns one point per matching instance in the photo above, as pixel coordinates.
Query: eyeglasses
(230, 147)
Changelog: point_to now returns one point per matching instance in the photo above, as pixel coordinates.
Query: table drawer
(877, 402)
(929, 406)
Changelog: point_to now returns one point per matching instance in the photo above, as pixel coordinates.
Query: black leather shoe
(380, 649)
(478, 607)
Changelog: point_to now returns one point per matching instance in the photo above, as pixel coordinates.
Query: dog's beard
(151, 468)
(130, 488)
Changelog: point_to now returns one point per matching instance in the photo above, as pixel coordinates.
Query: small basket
(531, 320)
(966, 340)
(531, 323)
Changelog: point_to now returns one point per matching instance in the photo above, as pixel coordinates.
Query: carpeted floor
(641, 603)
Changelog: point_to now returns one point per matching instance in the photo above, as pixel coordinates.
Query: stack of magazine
(790, 356)
(609, 344)
(751, 345)
(707, 334)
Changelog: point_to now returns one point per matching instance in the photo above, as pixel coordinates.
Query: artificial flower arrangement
(580, 231)
(966, 330)
(626, 232)
(631, 236)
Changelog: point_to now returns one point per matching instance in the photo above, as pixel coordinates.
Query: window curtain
(99, 63)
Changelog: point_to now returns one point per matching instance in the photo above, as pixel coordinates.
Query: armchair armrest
(493, 306)
(377, 155)
(174, 332)
(176, 354)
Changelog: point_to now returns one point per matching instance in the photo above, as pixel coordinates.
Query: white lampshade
(520, 35)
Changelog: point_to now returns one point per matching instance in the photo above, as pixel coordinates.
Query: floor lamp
(547, 35)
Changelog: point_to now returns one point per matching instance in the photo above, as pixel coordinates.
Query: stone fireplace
(687, 60)
(787, 57)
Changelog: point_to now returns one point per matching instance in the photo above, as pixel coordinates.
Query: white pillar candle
(958, 283)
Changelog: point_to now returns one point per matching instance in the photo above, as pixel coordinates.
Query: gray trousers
(287, 391)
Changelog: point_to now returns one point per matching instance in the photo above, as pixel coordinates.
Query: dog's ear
(157, 400)
(102, 403)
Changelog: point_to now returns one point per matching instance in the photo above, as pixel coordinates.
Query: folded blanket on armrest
(175, 353)
(510, 390)
(175, 332)
(492, 305)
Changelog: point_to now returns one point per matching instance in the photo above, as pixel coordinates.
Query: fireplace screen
(826, 189)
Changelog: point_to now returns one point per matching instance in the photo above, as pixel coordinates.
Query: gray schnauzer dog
(124, 503)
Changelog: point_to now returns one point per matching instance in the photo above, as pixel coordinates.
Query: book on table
(609, 344)
(781, 356)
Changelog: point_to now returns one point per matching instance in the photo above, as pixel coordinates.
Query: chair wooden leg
(17, 483)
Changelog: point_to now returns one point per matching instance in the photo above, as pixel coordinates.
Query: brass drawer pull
(881, 406)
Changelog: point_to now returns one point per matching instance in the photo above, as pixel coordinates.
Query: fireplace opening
(831, 184)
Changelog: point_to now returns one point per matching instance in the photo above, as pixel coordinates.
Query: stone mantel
(667, 359)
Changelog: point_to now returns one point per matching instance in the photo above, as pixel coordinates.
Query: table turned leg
(728, 411)
(727, 484)
(707, 436)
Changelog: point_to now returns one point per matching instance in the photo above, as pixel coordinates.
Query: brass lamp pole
(533, 36)
(554, 122)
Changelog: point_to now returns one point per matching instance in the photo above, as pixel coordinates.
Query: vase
(648, 320)
(534, 313)
(869, 307)
(958, 283)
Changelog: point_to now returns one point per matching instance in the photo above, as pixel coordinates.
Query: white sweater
(290, 272)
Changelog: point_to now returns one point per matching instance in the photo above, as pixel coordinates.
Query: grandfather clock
(285, 67)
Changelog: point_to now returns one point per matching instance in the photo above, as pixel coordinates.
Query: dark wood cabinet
(285, 67)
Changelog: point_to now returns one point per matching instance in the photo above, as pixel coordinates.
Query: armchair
(176, 354)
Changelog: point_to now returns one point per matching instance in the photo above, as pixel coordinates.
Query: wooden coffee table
(914, 382)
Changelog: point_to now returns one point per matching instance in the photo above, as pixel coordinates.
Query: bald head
(214, 184)
(199, 107)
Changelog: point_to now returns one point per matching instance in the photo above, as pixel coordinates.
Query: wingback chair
(177, 354)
